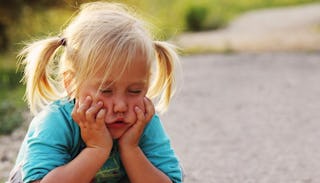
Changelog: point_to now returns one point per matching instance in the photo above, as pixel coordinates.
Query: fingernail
(100, 103)
(136, 108)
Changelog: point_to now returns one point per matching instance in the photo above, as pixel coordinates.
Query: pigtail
(41, 87)
(164, 85)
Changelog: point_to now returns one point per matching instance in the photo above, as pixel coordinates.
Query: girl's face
(119, 95)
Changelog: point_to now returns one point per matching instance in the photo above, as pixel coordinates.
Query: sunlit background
(22, 21)
(25, 20)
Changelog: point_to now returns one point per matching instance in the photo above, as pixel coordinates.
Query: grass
(178, 16)
(11, 97)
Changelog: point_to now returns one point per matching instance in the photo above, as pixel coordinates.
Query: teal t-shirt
(53, 139)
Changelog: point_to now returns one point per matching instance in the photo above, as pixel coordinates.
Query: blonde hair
(99, 37)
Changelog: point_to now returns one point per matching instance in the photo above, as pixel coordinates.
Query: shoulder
(154, 127)
(51, 132)
(154, 123)
(154, 133)
(57, 109)
(56, 113)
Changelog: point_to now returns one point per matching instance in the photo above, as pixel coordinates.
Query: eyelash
(129, 91)
(135, 91)
(105, 91)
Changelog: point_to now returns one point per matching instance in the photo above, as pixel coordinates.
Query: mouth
(116, 124)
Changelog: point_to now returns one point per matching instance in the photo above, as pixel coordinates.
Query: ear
(67, 78)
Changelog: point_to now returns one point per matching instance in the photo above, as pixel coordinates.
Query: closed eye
(135, 91)
(105, 91)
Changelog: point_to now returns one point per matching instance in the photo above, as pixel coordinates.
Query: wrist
(98, 152)
(128, 149)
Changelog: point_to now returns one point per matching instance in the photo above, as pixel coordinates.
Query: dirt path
(279, 29)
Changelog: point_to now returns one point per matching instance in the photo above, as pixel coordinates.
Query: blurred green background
(24, 20)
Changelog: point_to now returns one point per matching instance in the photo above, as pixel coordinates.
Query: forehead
(125, 71)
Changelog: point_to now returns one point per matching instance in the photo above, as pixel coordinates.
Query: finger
(76, 117)
(91, 113)
(100, 118)
(140, 116)
(150, 110)
(74, 112)
(83, 107)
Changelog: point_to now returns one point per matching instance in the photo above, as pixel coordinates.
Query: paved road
(248, 118)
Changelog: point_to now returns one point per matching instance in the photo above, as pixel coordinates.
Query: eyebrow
(140, 82)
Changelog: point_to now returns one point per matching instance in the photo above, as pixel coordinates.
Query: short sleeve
(155, 144)
(47, 145)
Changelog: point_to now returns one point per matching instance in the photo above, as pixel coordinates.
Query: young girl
(94, 121)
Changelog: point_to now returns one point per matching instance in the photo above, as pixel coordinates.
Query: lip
(116, 125)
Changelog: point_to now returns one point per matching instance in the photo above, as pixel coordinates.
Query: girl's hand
(90, 117)
(132, 136)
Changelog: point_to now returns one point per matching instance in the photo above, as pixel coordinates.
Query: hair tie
(63, 42)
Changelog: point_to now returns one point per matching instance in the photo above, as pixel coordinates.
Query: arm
(138, 167)
(82, 169)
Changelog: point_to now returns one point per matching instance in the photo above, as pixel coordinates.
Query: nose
(119, 104)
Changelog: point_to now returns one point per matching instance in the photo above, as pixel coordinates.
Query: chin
(116, 136)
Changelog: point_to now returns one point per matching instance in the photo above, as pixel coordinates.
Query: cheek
(131, 102)
(137, 101)
(83, 94)
(106, 102)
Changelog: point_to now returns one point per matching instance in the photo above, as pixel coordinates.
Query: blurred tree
(45, 4)
(10, 12)
(196, 17)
